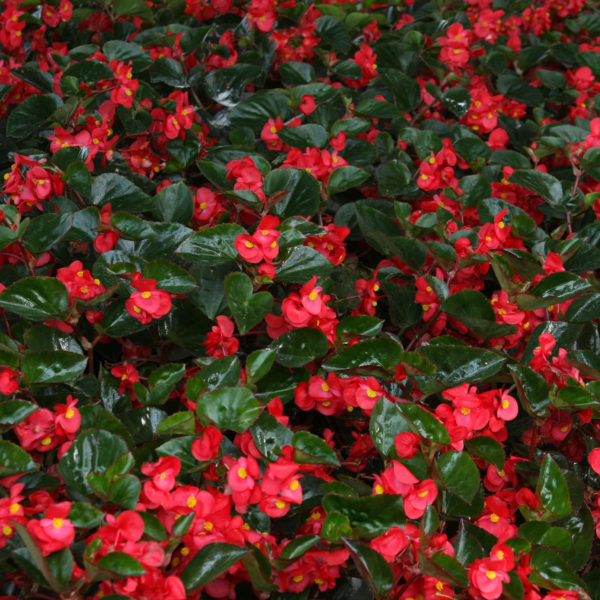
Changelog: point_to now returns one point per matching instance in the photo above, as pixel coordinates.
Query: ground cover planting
(299, 300)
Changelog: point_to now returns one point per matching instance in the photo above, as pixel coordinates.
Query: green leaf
(85, 515)
(296, 73)
(547, 186)
(361, 325)
(457, 100)
(344, 178)
(210, 562)
(36, 298)
(223, 372)
(333, 33)
(474, 310)
(52, 367)
(133, 8)
(169, 276)
(120, 193)
(248, 309)
(301, 264)
(393, 179)
(175, 203)
(381, 352)
(270, 436)
(180, 422)
(153, 528)
(89, 71)
(298, 546)
(132, 226)
(459, 474)
(259, 363)
(444, 567)
(212, 246)
(121, 564)
(552, 488)
(257, 110)
(553, 569)
(311, 449)
(78, 177)
(45, 231)
(335, 526)
(117, 322)
(298, 347)
(487, 448)
(385, 424)
(181, 447)
(426, 424)
(583, 309)
(558, 287)
(304, 136)
(14, 411)
(229, 408)
(532, 388)
(32, 74)
(126, 51)
(369, 515)
(467, 547)
(93, 451)
(30, 114)
(458, 364)
(298, 192)
(125, 491)
(14, 460)
(373, 568)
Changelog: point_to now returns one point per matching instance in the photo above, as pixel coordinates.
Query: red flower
(308, 105)
(68, 418)
(148, 302)
(206, 446)
(54, 532)
(8, 381)
(127, 376)
(220, 341)
(594, 460)
(79, 281)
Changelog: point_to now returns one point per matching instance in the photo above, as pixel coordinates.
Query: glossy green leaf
(304, 136)
(212, 246)
(457, 100)
(369, 515)
(487, 448)
(297, 192)
(14, 411)
(344, 178)
(229, 408)
(298, 347)
(46, 231)
(120, 193)
(385, 424)
(85, 515)
(552, 488)
(298, 546)
(553, 569)
(132, 226)
(248, 309)
(210, 562)
(270, 436)
(426, 424)
(121, 564)
(52, 367)
(36, 298)
(301, 264)
(459, 474)
(14, 460)
(457, 364)
(30, 114)
(311, 449)
(93, 451)
(175, 202)
(381, 352)
(547, 186)
(373, 568)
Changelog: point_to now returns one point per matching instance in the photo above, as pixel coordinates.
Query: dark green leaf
(298, 347)
(14, 460)
(459, 474)
(175, 202)
(298, 546)
(547, 186)
(121, 564)
(14, 411)
(298, 192)
(45, 231)
(304, 136)
(373, 568)
(553, 569)
(311, 449)
(120, 193)
(487, 448)
(36, 298)
(457, 100)
(229, 408)
(248, 309)
(30, 114)
(212, 246)
(344, 178)
(210, 562)
(169, 276)
(552, 488)
(301, 264)
(426, 424)
(382, 352)
(52, 367)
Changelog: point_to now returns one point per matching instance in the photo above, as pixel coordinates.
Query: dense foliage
(300, 300)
